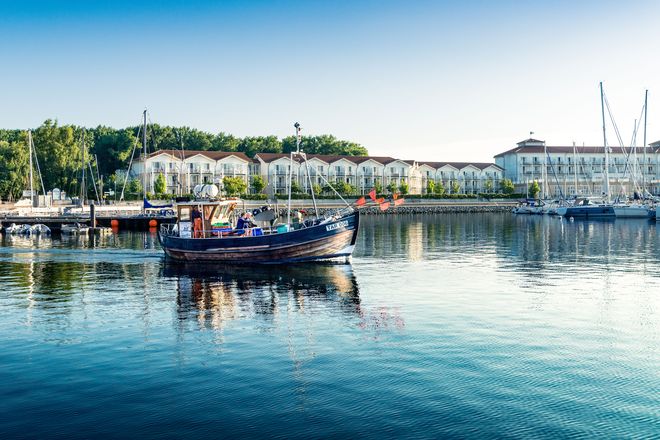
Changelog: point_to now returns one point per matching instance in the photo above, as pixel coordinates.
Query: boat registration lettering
(341, 224)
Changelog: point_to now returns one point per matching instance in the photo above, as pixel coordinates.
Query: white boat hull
(632, 212)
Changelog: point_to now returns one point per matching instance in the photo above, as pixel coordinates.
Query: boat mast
(144, 153)
(646, 97)
(607, 159)
(544, 174)
(288, 211)
(575, 169)
(31, 177)
(309, 177)
(82, 185)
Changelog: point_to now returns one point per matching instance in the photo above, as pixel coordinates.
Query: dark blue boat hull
(326, 241)
(595, 211)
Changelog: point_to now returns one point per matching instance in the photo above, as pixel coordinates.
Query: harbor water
(449, 325)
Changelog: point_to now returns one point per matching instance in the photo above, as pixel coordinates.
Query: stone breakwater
(405, 210)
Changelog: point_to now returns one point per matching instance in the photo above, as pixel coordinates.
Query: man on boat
(197, 222)
(245, 221)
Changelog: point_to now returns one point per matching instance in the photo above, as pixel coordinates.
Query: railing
(167, 229)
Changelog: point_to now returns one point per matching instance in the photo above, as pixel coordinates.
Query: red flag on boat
(384, 206)
(395, 196)
(398, 202)
(372, 194)
(381, 200)
(361, 201)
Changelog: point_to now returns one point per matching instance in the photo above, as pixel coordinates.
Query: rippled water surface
(446, 325)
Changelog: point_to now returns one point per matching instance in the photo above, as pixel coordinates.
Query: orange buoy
(114, 223)
(153, 223)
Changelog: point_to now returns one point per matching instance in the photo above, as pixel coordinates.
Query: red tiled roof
(579, 150)
(328, 158)
(460, 165)
(213, 155)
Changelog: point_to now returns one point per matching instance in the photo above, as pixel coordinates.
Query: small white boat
(12, 229)
(74, 229)
(40, 229)
(529, 206)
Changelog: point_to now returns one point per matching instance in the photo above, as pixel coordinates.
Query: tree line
(60, 149)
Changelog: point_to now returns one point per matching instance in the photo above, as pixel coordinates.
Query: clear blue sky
(427, 80)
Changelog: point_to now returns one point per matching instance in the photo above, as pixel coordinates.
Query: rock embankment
(405, 210)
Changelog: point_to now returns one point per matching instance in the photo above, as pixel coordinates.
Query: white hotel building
(585, 165)
(182, 171)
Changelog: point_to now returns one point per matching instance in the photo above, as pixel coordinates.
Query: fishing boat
(205, 231)
(327, 237)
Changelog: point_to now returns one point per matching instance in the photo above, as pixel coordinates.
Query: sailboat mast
(144, 153)
(646, 98)
(544, 175)
(31, 177)
(607, 159)
(82, 185)
(575, 165)
(288, 211)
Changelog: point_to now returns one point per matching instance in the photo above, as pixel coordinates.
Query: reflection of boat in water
(323, 276)
(261, 288)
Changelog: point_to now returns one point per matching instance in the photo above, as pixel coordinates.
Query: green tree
(135, 186)
(378, 186)
(59, 150)
(507, 186)
(225, 142)
(392, 187)
(234, 186)
(430, 186)
(160, 185)
(439, 189)
(488, 186)
(258, 184)
(112, 148)
(14, 169)
(455, 187)
(403, 187)
(317, 189)
(295, 187)
(260, 144)
(534, 189)
(324, 144)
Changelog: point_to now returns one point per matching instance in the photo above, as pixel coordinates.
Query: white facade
(182, 171)
(580, 170)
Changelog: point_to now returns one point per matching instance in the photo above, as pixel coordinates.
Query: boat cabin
(215, 217)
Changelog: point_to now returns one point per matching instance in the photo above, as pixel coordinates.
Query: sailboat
(637, 209)
(586, 207)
